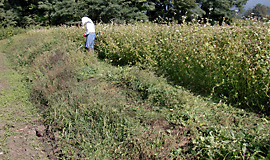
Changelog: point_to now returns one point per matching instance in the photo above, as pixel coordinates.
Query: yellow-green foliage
(97, 111)
(6, 32)
(229, 61)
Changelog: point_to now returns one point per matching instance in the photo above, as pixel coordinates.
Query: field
(151, 91)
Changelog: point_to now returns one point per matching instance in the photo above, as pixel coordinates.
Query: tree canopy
(259, 11)
(57, 12)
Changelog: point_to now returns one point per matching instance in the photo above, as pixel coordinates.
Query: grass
(98, 111)
(16, 113)
(6, 32)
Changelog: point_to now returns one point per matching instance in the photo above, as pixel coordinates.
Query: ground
(21, 130)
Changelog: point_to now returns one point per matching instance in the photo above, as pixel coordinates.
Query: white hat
(85, 20)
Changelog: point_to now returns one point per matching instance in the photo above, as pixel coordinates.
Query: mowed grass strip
(18, 117)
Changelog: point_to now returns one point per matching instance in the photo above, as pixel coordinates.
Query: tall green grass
(6, 32)
(229, 61)
(98, 111)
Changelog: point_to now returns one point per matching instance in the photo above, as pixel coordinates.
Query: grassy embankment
(98, 110)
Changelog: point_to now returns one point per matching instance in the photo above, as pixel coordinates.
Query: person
(90, 33)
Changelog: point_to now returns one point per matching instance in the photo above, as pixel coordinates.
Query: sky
(252, 3)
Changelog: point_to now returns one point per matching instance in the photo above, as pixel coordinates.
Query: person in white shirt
(90, 33)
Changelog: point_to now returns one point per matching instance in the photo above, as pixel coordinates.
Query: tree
(140, 7)
(7, 15)
(259, 11)
(163, 9)
(218, 10)
(26, 11)
(65, 11)
(46, 9)
(90, 8)
(18, 12)
(185, 9)
(175, 9)
(56, 12)
(124, 10)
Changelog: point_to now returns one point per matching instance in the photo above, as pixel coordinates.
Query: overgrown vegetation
(229, 61)
(96, 110)
(6, 32)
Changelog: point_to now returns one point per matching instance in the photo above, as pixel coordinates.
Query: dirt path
(20, 131)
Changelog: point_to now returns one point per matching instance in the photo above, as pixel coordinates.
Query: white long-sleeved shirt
(90, 27)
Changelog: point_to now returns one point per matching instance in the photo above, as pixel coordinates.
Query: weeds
(97, 111)
(6, 32)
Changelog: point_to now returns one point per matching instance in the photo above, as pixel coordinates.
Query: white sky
(252, 3)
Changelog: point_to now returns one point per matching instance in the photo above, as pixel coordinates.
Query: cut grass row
(18, 116)
(96, 110)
